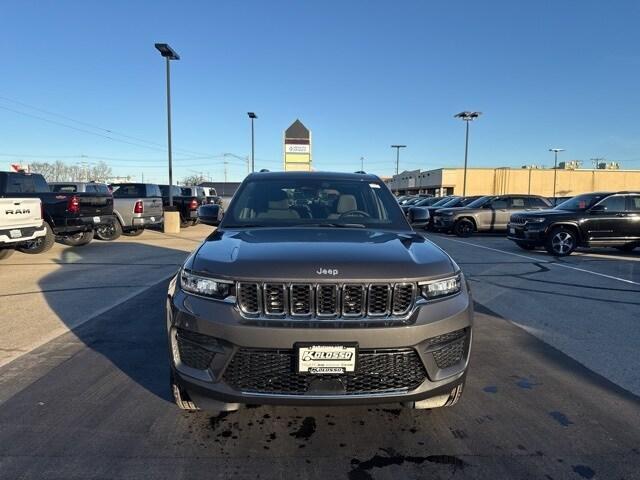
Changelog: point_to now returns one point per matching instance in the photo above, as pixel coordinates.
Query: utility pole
(362, 164)
(555, 167)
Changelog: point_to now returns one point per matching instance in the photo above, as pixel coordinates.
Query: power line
(151, 145)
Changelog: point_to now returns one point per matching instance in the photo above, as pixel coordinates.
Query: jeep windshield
(314, 202)
(581, 202)
(479, 202)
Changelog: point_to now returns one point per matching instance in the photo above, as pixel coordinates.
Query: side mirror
(598, 209)
(418, 215)
(210, 214)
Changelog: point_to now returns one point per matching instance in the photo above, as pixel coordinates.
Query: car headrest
(278, 200)
(346, 203)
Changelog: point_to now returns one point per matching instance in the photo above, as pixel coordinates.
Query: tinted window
(64, 188)
(517, 202)
(154, 191)
(581, 202)
(535, 202)
(128, 190)
(633, 203)
(99, 188)
(479, 202)
(18, 183)
(500, 203)
(615, 203)
(90, 189)
(314, 201)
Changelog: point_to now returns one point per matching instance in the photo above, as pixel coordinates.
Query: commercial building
(496, 181)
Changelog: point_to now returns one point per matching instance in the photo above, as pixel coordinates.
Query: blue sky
(360, 74)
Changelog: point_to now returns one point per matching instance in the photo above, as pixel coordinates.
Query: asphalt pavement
(94, 402)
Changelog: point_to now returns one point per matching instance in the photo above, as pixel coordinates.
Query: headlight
(207, 287)
(441, 288)
(446, 214)
(535, 220)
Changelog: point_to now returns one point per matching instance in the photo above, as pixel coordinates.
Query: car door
(633, 216)
(607, 219)
(502, 208)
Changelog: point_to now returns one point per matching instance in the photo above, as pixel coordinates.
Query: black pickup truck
(187, 205)
(590, 220)
(70, 216)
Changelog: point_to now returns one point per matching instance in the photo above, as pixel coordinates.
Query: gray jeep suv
(486, 214)
(315, 290)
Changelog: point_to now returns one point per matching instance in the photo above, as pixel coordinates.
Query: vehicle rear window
(129, 190)
(64, 188)
(25, 183)
(99, 188)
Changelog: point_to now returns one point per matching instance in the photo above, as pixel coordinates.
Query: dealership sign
(296, 148)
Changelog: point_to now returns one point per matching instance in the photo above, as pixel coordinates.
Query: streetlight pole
(397, 147)
(555, 167)
(466, 117)
(169, 54)
(362, 164)
(252, 116)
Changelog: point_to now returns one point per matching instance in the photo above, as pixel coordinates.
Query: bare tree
(193, 180)
(61, 172)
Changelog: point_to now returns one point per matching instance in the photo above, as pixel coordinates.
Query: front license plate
(512, 231)
(15, 233)
(153, 219)
(96, 219)
(327, 359)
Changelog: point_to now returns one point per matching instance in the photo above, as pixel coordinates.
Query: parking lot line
(549, 262)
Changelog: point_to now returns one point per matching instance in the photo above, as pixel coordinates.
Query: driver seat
(346, 203)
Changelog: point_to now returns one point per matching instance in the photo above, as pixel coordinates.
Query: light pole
(397, 147)
(467, 117)
(555, 167)
(252, 116)
(169, 54)
(362, 164)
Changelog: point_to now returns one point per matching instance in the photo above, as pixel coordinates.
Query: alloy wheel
(562, 242)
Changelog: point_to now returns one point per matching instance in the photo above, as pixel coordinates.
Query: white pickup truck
(20, 222)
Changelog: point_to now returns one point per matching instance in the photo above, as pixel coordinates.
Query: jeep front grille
(307, 300)
(268, 371)
(518, 219)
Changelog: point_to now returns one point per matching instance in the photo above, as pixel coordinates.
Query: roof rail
(264, 170)
(361, 172)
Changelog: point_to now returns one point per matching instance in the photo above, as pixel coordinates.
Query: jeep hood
(286, 254)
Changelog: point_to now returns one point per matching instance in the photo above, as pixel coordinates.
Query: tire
(561, 242)
(626, 248)
(184, 223)
(526, 246)
(181, 397)
(5, 253)
(195, 222)
(39, 245)
(108, 232)
(78, 239)
(133, 233)
(464, 228)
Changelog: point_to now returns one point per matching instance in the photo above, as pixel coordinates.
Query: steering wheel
(355, 213)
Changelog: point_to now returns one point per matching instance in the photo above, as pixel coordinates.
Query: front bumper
(218, 355)
(443, 222)
(530, 234)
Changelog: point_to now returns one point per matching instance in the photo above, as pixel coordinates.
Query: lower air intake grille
(449, 349)
(192, 349)
(273, 372)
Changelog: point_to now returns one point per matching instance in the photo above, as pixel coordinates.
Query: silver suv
(486, 214)
(315, 290)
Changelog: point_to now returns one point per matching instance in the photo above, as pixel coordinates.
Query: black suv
(314, 290)
(589, 220)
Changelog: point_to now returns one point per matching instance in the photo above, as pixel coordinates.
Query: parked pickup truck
(106, 231)
(187, 205)
(206, 195)
(136, 206)
(20, 221)
(72, 217)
